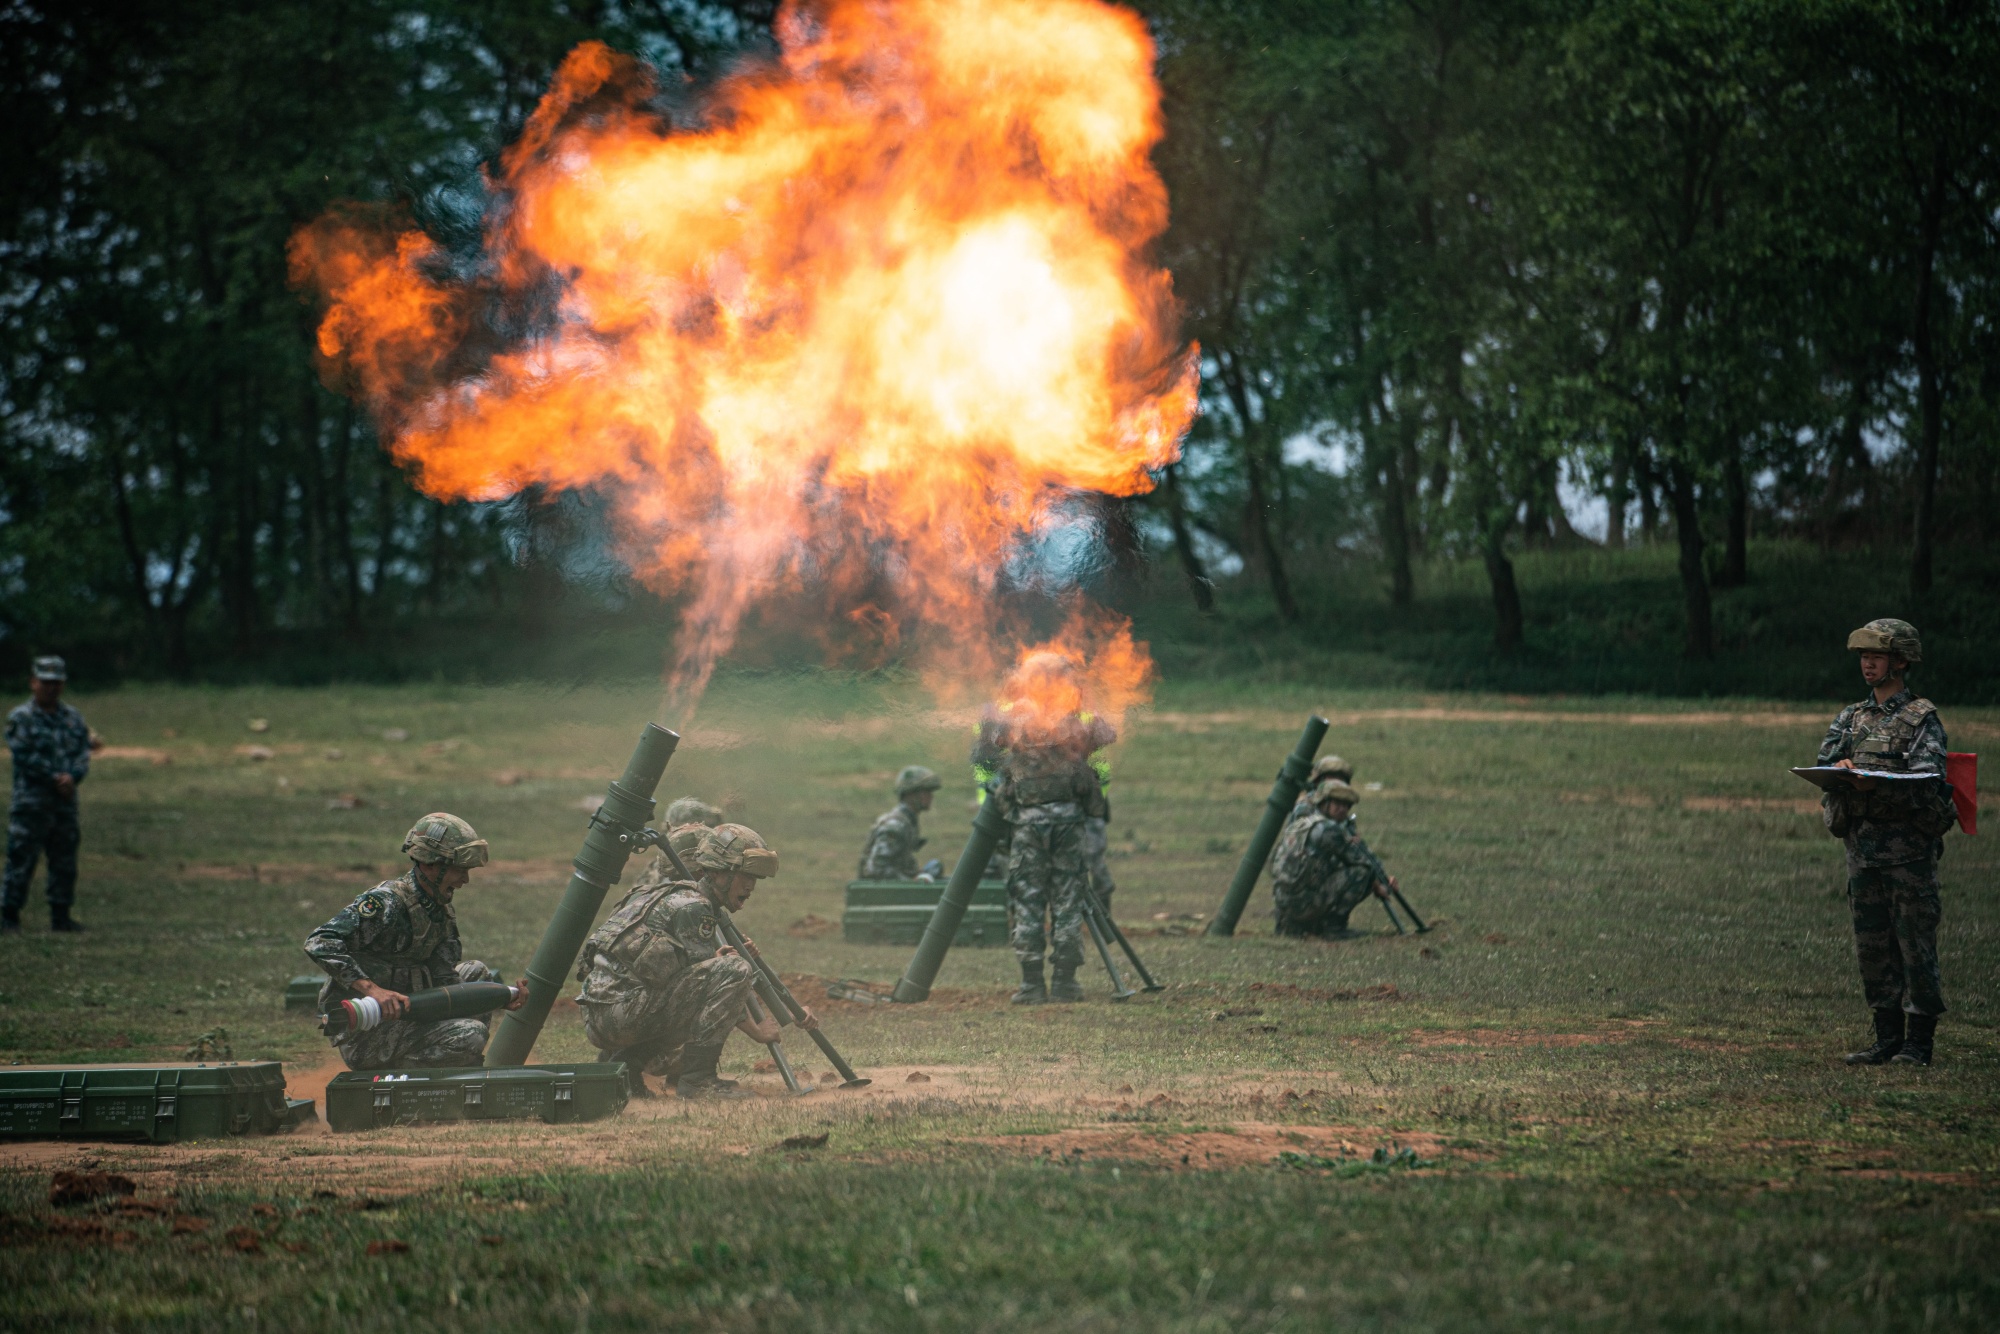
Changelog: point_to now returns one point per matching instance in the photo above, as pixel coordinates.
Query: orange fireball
(865, 325)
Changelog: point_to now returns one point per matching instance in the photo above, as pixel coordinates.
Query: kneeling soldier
(400, 937)
(891, 853)
(1321, 868)
(660, 990)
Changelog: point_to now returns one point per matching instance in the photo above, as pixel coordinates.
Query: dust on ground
(1239, 1144)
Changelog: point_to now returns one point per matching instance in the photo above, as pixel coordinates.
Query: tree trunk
(1199, 584)
(1507, 625)
(1617, 496)
(1930, 394)
(1694, 577)
(1258, 519)
(1396, 531)
(343, 517)
(1736, 540)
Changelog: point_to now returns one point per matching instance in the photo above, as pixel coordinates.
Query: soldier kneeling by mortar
(660, 990)
(401, 937)
(894, 840)
(1322, 869)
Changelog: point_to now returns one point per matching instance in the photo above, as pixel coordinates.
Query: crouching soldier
(1321, 868)
(400, 937)
(893, 842)
(661, 992)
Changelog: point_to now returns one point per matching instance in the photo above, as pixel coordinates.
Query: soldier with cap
(891, 851)
(661, 991)
(685, 819)
(1325, 767)
(400, 937)
(51, 748)
(1894, 831)
(1321, 867)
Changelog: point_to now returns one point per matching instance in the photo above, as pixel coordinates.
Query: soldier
(1039, 747)
(1321, 868)
(51, 747)
(660, 990)
(1894, 832)
(685, 818)
(1325, 767)
(891, 852)
(400, 937)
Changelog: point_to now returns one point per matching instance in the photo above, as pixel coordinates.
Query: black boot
(697, 1077)
(60, 920)
(10, 921)
(635, 1072)
(1066, 988)
(1917, 1046)
(1888, 1039)
(1032, 991)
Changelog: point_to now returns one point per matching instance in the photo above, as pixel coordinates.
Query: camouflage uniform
(399, 937)
(44, 742)
(891, 853)
(1894, 836)
(1320, 870)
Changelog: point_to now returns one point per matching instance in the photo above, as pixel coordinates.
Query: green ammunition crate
(302, 992)
(161, 1103)
(368, 1099)
(895, 912)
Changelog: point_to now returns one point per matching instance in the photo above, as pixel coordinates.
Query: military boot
(1917, 1046)
(635, 1074)
(698, 1078)
(1066, 988)
(60, 920)
(10, 921)
(1032, 991)
(1888, 1039)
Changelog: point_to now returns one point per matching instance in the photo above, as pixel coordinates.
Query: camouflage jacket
(395, 936)
(1896, 822)
(1314, 849)
(891, 853)
(1060, 776)
(655, 932)
(46, 742)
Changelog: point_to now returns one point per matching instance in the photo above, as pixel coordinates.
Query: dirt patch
(150, 754)
(1240, 1144)
(1381, 991)
(1514, 1038)
(1898, 1174)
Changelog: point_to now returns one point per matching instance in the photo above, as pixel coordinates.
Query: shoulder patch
(368, 906)
(707, 927)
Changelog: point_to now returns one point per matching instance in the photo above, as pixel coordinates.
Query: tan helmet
(1334, 789)
(686, 839)
(692, 810)
(441, 839)
(1888, 635)
(916, 778)
(735, 847)
(1330, 766)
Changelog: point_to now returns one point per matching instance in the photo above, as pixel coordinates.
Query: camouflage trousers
(696, 1008)
(1046, 873)
(1896, 912)
(1322, 910)
(34, 828)
(400, 1044)
(1097, 843)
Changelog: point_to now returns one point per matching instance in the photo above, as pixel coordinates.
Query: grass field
(1615, 1058)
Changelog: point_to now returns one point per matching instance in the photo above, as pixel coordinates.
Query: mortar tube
(987, 827)
(1291, 781)
(628, 805)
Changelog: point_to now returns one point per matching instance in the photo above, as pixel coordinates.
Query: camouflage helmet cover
(51, 668)
(684, 839)
(1331, 766)
(1334, 789)
(692, 810)
(916, 778)
(442, 839)
(1888, 635)
(735, 847)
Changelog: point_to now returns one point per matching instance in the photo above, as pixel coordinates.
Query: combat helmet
(1334, 789)
(1330, 766)
(916, 778)
(441, 839)
(691, 810)
(1888, 635)
(735, 847)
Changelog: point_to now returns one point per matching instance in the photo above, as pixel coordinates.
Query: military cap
(1888, 635)
(1334, 789)
(441, 839)
(1331, 766)
(51, 668)
(916, 778)
(692, 810)
(735, 847)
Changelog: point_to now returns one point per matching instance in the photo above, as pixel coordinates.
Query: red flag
(1961, 770)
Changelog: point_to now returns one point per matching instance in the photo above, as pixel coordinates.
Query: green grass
(1616, 1056)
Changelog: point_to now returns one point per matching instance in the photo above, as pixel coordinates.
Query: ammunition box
(302, 992)
(895, 912)
(559, 1094)
(160, 1103)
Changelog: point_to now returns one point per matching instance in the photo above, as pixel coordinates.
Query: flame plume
(862, 327)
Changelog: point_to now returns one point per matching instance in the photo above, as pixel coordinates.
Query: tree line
(1727, 267)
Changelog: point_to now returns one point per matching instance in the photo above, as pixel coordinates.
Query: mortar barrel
(987, 827)
(628, 805)
(1291, 781)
